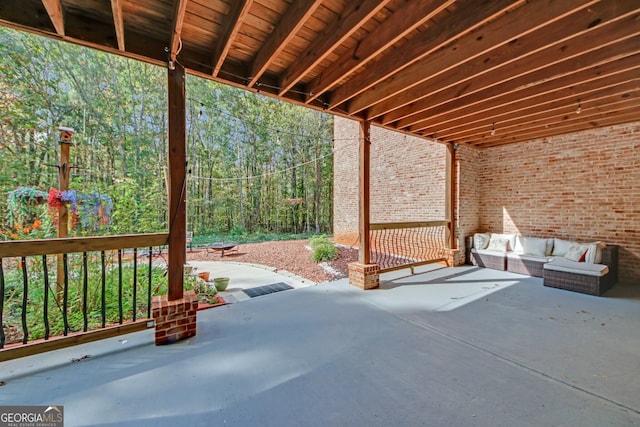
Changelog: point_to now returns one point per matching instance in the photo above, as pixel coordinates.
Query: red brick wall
(407, 179)
(582, 186)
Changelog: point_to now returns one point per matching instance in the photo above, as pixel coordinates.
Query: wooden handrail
(20, 248)
(396, 225)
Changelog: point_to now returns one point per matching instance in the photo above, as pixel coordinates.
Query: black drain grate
(267, 289)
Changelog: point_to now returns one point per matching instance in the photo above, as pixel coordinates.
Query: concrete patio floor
(509, 353)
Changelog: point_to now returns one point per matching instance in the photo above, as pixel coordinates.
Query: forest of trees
(257, 164)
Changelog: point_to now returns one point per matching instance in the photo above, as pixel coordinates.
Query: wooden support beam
(355, 14)
(176, 28)
(54, 9)
(237, 13)
(177, 181)
(364, 166)
(450, 194)
(403, 21)
(118, 23)
(295, 17)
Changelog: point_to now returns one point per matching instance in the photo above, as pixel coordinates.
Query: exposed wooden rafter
(400, 24)
(176, 28)
(444, 31)
(598, 120)
(525, 55)
(289, 25)
(477, 43)
(445, 69)
(237, 13)
(118, 23)
(474, 129)
(355, 14)
(571, 72)
(54, 9)
(576, 57)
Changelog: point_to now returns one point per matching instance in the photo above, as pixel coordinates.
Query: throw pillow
(576, 253)
(481, 240)
(498, 244)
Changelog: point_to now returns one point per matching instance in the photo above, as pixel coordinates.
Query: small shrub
(319, 239)
(324, 252)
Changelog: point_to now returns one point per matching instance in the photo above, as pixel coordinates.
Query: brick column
(455, 257)
(364, 276)
(175, 320)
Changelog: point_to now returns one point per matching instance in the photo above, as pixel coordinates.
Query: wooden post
(450, 196)
(66, 135)
(177, 181)
(364, 253)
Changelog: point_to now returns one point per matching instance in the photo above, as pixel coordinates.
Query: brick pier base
(175, 320)
(364, 276)
(455, 257)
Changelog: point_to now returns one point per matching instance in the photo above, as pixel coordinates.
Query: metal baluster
(85, 292)
(104, 290)
(25, 300)
(120, 285)
(135, 281)
(45, 311)
(65, 294)
(2, 337)
(150, 282)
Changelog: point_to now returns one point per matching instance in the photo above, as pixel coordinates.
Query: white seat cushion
(525, 257)
(563, 264)
(489, 252)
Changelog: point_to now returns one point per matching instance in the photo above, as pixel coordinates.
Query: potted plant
(221, 283)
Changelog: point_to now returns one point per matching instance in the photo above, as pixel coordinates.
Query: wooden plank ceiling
(477, 72)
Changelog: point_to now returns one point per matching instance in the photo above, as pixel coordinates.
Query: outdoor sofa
(590, 268)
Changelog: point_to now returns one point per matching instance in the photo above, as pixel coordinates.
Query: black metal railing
(56, 287)
(404, 244)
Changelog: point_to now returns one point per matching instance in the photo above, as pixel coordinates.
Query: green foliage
(249, 155)
(322, 249)
(76, 299)
(324, 252)
(317, 240)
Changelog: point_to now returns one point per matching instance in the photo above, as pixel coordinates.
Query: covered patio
(467, 73)
(523, 355)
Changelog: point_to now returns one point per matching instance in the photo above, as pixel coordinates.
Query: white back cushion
(594, 252)
(560, 247)
(481, 240)
(534, 246)
(510, 238)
